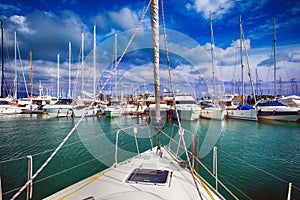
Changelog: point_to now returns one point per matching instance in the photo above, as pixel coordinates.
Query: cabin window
(148, 176)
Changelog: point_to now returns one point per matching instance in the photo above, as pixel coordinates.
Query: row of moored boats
(229, 106)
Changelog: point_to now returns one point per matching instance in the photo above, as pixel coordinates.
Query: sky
(47, 27)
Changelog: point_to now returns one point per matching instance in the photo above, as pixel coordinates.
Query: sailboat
(85, 108)
(214, 111)
(6, 106)
(274, 109)
(158, 173)
(114, 108)
(243, 111)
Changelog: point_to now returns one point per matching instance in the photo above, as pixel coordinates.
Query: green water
(256, 160)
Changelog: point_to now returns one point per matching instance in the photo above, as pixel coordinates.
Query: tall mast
(212, 43)
(15, 79)
(31, 88)
(243, 44)
(241, 53)
(155, 47)
(58, 76)
(117, 92)
(82, 62)
(69, 90)
(94, 61)
(275, 57)
(2, 52)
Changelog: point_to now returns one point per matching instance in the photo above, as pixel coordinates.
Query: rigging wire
(181, 130)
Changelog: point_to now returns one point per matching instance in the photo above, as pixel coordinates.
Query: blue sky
(46, 27)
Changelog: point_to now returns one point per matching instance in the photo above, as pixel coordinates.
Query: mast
(275, 57)
(212, 43)
(69, 90)
(155, 49)
(117, 92)
(2, 53)
(248, 65)
(94, 62)
(82, 62)
(31, 88)
(15, 79)
(242, 65)
(57, 75)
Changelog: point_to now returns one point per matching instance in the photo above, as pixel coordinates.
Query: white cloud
(218, 7)
(21, 23)
(125, 18)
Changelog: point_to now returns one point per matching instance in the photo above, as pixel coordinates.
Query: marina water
(256, 160)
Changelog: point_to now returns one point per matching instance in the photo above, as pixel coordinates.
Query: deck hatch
(148, 176)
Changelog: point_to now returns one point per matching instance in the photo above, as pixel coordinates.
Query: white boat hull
(242, 114)
(113, 112)
(8, 109)
(279, 113)
(187, 115)
(213, 113)
(59, 111)
(80, 111)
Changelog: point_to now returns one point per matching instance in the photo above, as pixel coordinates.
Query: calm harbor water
(256, 160)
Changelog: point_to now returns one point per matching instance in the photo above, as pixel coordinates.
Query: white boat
(229, 101)
(6, 108)
(187, 108)
(292, 101)
(244, 111)
(36, 103)
(275, 110)
(113, 109)
(89, 108)
(147, 176)
(62, 108)
(213, 112)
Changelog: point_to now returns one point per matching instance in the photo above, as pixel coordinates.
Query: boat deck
(113, 183)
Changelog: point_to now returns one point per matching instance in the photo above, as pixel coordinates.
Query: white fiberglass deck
(113, 183)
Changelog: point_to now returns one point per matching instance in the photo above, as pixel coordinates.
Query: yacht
(62, 108)
(7, 108)
(275, 110)
(187, 108)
